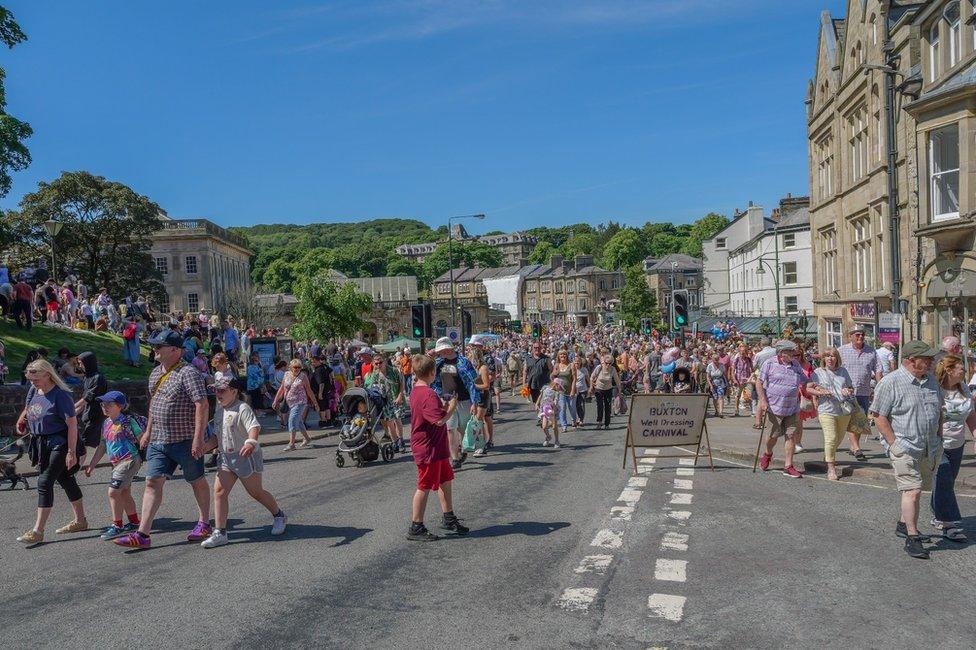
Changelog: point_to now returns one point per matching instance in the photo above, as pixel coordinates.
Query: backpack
(129, 333)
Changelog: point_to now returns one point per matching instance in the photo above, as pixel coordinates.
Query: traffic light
(466, 330)
(646, 326)
(420, 319)
(679, 308)
(536, 330)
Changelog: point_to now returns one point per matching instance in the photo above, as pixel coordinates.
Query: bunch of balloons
(722, 331)
(668, 360)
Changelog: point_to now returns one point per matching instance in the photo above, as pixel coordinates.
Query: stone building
(671, 272)
(515, 247)
(201, 264)
(848, 152)
(564, 290)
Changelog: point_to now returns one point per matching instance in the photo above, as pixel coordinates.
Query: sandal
(955, 534)
(858, 454)
(756, 427)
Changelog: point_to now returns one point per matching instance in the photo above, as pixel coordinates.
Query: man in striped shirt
(861, 362)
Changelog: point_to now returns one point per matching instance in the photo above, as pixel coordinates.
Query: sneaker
(764, 461)
(489, 445)
(479, 453)
(792, 472)
(555, 445)
(112, 532)
(200, 532)
(419, 533)
(455, 464)
(133, 540)
(289, 447)
(798, 447)
(73, 527)
(279, 524)
(31, 537)
(453, 525)
(901, 530)
(305, 444)
(129, 528)
(217, 538)
(913, 546)
(546, 443)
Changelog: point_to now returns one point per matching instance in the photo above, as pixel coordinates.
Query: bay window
(944, 172)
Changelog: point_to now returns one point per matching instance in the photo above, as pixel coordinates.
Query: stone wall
(12, 401)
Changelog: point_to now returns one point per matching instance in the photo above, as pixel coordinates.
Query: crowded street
(548, 563)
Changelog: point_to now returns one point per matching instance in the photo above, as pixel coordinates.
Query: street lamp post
(450, 259)
(775, 270)
(52, 228)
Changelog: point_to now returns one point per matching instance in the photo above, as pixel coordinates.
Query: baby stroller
(11, 450)
(356, 437)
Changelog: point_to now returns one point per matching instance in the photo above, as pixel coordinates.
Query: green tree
(14, 155)
(665, 244)
(704, 228)
(623, 250)
(473, 253)
(327, 310)
(581, 244)
(106, 234)
(636, 299)
(542, 252)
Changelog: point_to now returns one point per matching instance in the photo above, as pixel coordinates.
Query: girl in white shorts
(240, 459)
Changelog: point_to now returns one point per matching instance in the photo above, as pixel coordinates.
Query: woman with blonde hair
(566, 371)
(958, 417)
(832, 386)
(297, 393)
(49, 417)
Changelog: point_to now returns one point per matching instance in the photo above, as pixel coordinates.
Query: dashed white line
(622, 513)
(686, 461)
(594, 564)
(630, 496)
(666, 606)
(607, 538)
(647, 461)
(683, 483)
(637, 481)
(685, 471)
(671, 570)
(680, 515)
(681, 498)
(577, 598)
(652, 452)
(673, 541)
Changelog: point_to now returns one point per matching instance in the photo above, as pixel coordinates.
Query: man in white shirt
(886, 358)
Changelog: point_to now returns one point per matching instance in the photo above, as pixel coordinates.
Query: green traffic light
(417, 332)
(681, 320)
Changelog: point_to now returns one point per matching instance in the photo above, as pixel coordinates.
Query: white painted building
(745, 227)
(751, 265)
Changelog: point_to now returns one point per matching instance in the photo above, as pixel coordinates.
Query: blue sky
(536, 112)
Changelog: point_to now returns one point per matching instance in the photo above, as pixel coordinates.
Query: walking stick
(762, 433)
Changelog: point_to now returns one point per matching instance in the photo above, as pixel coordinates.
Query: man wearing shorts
(907, 410)
(431, 452)
(455, 377)
(178, 413)
(779, 397)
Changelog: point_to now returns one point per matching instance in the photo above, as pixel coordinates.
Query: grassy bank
(107, 347)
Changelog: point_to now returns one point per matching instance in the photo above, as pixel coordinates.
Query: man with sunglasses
(178, 414)
(861, 362)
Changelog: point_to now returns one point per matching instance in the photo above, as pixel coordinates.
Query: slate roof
(685, 263)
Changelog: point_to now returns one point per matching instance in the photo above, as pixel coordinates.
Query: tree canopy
(326, 309)
(14, 155)
(636, 299)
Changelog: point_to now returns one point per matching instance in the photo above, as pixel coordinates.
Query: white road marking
(644, 469)
(680, 515)
(683, 483)
(594, 563)
(607, 538)
(623, 513)
(630, 496)
(652, 452)
(686, 461)
(673, 541)
(666, 606)
(681, 498)
(685, 471)
(647, 461)
(672, 570)
(637, 481)
(577, 598)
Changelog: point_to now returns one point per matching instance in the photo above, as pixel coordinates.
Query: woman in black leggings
(49, 417)
(602, 381)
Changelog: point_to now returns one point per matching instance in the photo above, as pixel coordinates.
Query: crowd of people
(205, 376)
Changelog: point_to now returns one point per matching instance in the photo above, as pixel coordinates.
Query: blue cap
(166, 337)
(116, 396)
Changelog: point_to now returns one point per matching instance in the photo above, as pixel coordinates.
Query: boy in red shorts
(431, 451)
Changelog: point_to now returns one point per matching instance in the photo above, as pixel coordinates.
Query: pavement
(566, 550)
(734, 438)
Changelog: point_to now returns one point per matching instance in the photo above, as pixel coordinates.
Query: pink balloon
(670, 355)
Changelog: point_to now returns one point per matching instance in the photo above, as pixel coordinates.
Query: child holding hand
(120, 440)
(549, 411)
